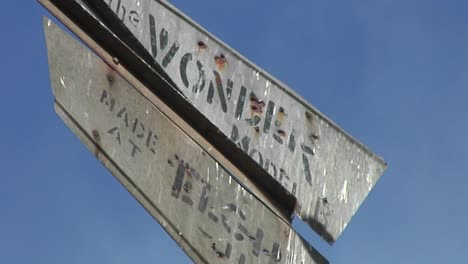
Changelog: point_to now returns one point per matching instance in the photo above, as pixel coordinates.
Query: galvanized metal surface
(163, 92)
(328, 171)
(199, 203)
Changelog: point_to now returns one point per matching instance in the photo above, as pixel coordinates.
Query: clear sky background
(393, 73)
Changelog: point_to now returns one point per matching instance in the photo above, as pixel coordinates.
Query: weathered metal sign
(199, 203)
(328, 171)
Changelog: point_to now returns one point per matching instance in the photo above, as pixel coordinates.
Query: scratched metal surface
(208, 213)
(328, 171)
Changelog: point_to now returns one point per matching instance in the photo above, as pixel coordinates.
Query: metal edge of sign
(127, 182)
(275, 196)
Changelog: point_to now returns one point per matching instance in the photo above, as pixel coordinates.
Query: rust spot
(308, 115)
(281, 133)
(187, 187)
(325, 200)
(256, 105)
(314, 136)
(257, 129)
(96, 138)
(96, 135)
(220, 255)
(170, 162)
(201, 46)
(221, 62)
(110, 78)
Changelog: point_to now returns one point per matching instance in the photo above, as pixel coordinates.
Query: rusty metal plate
(328, 171)
(196, 200)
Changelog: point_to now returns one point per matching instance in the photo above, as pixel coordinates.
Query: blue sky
(394, 74)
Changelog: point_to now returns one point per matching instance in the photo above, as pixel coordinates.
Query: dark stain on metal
(176, 157)
(187, 187)
(220, 62)
(256, 105)
(97, 139)
(96, 136)
(201, 46)
(325, 200)
(220, 255)
(170, 162)
(257, 129)
(308, 115)
(110, 78)
(281, 133)
(314, 136)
